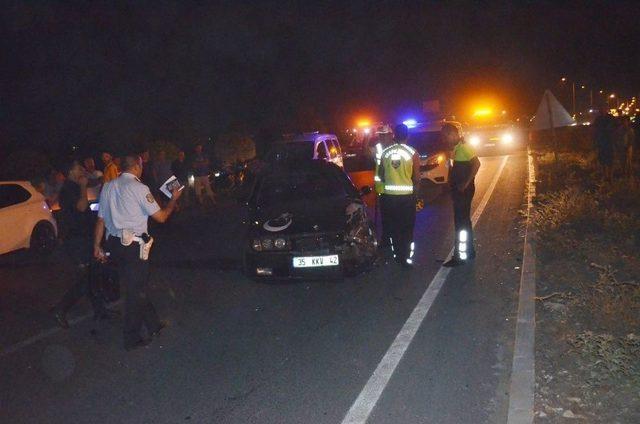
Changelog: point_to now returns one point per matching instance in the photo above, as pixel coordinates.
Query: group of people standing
(126, 189)
(397, 182)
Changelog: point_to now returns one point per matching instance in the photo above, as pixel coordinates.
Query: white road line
(370, 394)
(522, 387)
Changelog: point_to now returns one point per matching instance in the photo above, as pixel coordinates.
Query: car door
(336, 152)
(14, 217)
(321, 152)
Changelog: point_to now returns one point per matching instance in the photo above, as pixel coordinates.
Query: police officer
(399, 172)
(464, 167)
(125, 205)
(385, 139)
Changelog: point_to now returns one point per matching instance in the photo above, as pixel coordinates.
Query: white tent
(551, 114)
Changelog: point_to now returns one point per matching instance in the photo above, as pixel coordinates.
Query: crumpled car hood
(306, 217)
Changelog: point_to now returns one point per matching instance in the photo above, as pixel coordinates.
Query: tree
(234, 147)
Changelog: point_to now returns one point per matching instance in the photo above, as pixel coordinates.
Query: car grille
(314, 242)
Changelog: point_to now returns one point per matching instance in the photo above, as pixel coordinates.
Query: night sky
(82, 72)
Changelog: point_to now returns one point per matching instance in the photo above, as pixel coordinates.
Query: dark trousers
(462, 222)
(78, 249)
(398, 220)
(133, 273)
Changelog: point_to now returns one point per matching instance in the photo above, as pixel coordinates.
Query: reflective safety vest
(397, 163)
(378, 185)
(463, 153)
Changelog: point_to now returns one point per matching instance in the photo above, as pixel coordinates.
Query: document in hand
(171, 184)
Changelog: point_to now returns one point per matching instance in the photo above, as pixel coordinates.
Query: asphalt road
(237, 351)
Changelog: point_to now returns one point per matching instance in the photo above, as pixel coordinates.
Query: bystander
(201, 171)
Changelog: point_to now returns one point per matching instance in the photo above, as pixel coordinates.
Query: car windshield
(298, 185)
(425, 142)
(292, 151)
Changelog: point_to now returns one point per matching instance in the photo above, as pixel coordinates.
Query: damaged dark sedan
(307, 221)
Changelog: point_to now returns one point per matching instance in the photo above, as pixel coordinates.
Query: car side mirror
(365, 190)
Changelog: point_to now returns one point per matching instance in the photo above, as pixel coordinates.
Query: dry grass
(608, 357)
(592, 311)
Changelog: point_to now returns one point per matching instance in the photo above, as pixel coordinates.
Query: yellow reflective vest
(396, 162)
(377, 182)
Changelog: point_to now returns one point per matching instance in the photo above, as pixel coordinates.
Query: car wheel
(43, 239)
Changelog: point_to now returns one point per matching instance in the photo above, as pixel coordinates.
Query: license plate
(490, 144)
(315, 261)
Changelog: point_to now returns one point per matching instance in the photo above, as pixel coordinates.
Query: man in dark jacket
(76, 223)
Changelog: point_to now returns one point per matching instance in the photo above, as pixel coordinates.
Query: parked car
(25, 219)
(313, 145)
(307, 220)
(434, 154)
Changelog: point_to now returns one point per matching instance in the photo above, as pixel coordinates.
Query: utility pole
(573, 97)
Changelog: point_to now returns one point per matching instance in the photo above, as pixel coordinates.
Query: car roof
(433, 126)
(24, 184)
(313, 136)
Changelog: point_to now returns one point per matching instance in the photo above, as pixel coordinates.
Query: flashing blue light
(410, 123)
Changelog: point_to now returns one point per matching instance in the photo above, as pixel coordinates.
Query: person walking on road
(462, 172)
(125, 205)
(201, 171)
(76, 224)
(399, 173)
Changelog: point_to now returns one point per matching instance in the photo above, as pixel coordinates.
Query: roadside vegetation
(588, 309)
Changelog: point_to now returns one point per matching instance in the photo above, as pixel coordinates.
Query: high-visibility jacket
(377, 182)
(463, 153)
(397, 166)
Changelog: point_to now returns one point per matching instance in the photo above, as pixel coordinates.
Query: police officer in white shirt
(125, 205)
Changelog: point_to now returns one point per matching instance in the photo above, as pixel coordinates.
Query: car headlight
(280, 243)
(474, 140)
(435, 160)
(507, 138)
(267, 244)
(257, 245)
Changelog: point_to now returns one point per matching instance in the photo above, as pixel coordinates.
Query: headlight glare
(507, 138)
(474, 140)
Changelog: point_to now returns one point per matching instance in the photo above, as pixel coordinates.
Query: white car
(434, 154)
(25, 219)
(309, 145)
(325, 146)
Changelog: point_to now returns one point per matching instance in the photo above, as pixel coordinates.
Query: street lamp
(573, 95)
